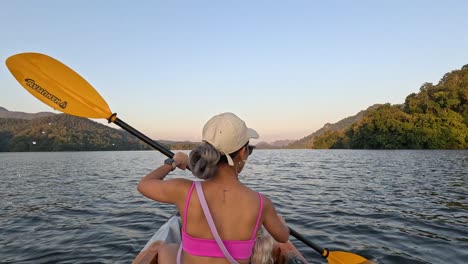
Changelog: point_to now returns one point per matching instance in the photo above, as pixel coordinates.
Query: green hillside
(63, 133)
(309, 141)
(434, 118)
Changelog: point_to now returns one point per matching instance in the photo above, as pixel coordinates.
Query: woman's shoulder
(267, 203)
(179, 185)
(246, 189)
(255, 195)
(181, 182)
(180, 188)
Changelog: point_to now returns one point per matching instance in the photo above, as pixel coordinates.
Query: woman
(236, 211)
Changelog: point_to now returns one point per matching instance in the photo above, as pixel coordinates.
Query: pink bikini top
(239, 249)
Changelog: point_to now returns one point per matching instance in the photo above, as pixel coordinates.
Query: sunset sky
(285, 67)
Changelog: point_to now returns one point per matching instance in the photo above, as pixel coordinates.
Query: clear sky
(285, 67)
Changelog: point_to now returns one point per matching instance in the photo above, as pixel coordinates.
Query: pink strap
(211, 224)
(184, 223)
(187, 201)
(258, 217)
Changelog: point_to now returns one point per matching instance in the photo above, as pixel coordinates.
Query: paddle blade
(341, 257)
(56, 85)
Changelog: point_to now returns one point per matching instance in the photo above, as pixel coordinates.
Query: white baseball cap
(227, 133)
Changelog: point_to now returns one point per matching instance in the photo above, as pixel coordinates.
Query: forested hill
(308, 141)
(434, 118)
(62, 132)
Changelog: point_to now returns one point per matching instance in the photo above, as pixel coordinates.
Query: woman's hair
(204, 160)
(262, 252)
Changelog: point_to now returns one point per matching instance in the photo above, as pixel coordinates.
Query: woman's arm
(171, 191)
(274, 223)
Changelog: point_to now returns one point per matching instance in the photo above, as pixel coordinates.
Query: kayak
(169, 232)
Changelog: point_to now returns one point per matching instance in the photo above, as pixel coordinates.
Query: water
(388, 206)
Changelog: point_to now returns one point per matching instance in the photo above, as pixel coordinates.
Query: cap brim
(252, 133)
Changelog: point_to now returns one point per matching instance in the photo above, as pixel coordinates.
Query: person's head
(262, 252)
(225, 140)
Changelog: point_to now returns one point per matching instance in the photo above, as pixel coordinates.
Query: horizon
(286, 69)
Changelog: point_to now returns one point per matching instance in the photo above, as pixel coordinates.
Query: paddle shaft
(156, 145)
(164, 150)
(309, 243)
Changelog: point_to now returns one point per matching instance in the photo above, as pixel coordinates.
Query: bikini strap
(211, 223)
(260, 210)
(187, 201)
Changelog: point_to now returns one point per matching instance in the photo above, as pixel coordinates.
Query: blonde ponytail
(262, 253)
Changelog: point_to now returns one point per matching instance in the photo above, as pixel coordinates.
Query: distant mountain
(273, 145)
(308, 141)
(281, 143)
(4, 113)
(264, 145)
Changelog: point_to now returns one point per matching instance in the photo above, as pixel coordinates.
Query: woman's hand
(181, 160)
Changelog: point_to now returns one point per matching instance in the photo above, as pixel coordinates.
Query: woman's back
(235, 210)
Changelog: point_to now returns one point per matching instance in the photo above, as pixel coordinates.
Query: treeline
(63, 133)
(434, 118)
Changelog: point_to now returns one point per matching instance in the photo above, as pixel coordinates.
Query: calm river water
(388, 206)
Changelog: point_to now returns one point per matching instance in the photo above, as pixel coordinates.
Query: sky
(285, 67)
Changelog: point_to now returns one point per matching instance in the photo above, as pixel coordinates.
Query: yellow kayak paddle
(61, 88)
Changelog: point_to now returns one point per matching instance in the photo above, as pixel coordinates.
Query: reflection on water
(388, 206)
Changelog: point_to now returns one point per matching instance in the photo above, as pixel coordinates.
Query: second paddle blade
(341, 257)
